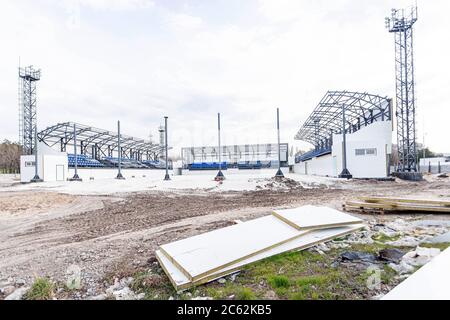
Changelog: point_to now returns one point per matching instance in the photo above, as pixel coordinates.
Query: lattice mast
(28, 78)
(401, 24)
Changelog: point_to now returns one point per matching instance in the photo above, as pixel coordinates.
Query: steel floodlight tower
(401, 24)
(28, 77)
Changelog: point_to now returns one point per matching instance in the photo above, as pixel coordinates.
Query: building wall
(109, 173)
(434, 161)
(377, 136)
(322, 166)
(52, 165)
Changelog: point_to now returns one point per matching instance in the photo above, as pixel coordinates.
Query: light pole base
(219, 176)
(167, 177)
(36, 179)
(408, 176)
(120, 176)
(76, 178)
(279, 174)
(345, 174)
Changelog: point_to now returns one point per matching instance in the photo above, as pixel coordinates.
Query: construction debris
(391, 255)
(398, 205)
(213, 255)
(358, 257)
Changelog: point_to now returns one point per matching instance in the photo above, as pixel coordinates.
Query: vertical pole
(219, 176)
(75, 176)
(345, 173)
(279, 173)
(119, 153)
(220, 146)
(36, 169)
(167, 177)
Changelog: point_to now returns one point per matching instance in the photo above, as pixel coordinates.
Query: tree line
(10, 157)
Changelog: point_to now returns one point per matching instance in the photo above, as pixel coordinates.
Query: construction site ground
(47, 230)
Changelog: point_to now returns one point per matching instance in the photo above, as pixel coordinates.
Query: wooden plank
(207, 253)
(312, 218)
(363, 210)
(403, 200)
(398, 207)
(181, 282)
(431, 282)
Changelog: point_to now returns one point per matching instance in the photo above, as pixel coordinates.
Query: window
(29, 163)
(366, 152)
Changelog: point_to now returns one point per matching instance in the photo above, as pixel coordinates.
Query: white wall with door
(52, 165)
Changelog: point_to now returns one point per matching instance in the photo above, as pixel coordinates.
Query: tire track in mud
(142, 211)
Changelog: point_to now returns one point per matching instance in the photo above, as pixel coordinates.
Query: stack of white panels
(212, 255)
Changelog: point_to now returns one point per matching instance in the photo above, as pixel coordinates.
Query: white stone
(7, 290)
(17, 294)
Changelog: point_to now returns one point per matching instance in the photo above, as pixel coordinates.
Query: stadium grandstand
(98, 148)
(348, 130)
(243, 157)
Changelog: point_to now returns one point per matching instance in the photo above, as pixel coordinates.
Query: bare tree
(10, 157)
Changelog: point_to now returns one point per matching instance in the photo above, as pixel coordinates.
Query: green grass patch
(383, 238)
(245, 294)
(388, 275)
(42, 289)
(312, 280)
(279, 281)
(155, 286)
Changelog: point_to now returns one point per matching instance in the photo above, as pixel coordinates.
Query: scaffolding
(28, 77)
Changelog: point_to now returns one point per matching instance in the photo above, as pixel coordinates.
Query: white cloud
(118, 5)
(183, 21)
(177, 62)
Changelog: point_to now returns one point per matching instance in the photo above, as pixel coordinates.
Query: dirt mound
(280, 184)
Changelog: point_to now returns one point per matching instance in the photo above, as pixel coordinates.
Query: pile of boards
(383, 205)
(210, 256)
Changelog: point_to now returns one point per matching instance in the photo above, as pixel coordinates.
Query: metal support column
(36, 169)
(75, 176)
(345, 174)
(279, 173)
(119, 153)
(167, 177)
(219, 176)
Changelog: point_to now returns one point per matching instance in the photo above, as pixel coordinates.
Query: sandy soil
(43, 233)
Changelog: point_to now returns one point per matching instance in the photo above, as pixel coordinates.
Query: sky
(141, 60)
